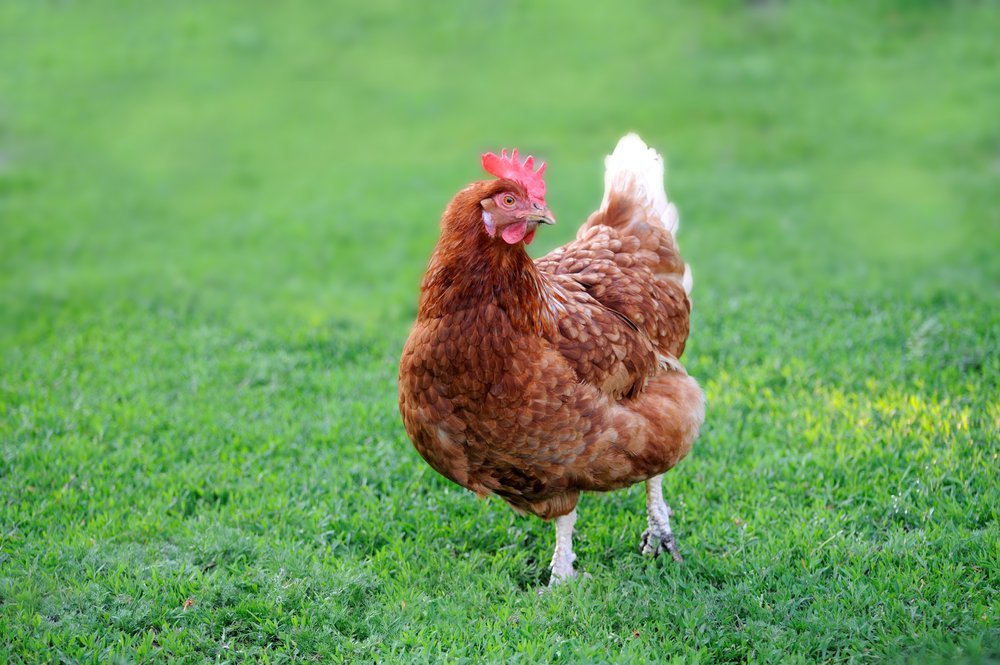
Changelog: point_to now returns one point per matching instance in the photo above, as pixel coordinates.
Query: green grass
(213, 220)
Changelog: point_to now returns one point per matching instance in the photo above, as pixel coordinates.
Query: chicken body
(537, 380)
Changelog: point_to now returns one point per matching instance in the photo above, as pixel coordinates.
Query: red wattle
(514, 233)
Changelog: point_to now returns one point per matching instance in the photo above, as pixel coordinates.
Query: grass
(213, 221)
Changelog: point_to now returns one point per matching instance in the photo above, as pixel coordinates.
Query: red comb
(508, 167)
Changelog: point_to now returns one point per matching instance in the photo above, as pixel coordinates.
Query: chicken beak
(541, 216)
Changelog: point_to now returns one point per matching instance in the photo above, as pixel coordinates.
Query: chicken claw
(655, 545)
(563, 556)
(658, 537)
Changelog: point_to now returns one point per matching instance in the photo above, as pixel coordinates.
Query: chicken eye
(508, 200)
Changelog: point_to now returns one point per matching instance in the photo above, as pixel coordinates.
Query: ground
(213, 221)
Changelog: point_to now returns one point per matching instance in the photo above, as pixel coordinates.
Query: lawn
(213, 222)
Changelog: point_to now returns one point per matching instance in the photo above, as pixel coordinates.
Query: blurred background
(240, 157)
(214, 217)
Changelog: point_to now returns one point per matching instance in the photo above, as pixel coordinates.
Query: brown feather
(538, 380)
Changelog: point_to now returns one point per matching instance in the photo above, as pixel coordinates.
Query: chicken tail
(635, 170)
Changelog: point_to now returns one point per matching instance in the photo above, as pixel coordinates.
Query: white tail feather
(638, 169)
(635, 166)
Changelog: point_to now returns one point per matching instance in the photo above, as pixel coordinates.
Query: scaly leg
(658, 536)
(563, 557)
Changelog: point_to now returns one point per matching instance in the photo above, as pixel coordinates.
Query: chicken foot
(563, 557)
(658, 537)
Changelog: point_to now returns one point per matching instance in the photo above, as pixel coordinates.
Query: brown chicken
(538, 380)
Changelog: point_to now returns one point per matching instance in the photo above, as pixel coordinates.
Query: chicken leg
(658, 537)
(563, 557)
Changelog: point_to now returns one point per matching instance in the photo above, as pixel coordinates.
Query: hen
(539, 380)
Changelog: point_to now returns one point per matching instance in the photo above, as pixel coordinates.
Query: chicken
(538, 380)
